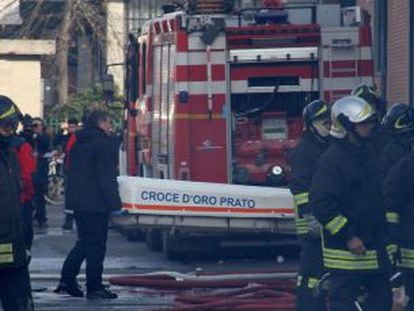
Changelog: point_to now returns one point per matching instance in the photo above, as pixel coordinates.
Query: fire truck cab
(216, 95)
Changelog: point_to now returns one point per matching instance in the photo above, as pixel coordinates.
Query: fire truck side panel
(144, 106)
(131, 88)
(346, 60)
(200, 75)
(156, 109)
(170, 116)
(163, 107)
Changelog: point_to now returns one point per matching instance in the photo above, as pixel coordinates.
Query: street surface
(123, 258)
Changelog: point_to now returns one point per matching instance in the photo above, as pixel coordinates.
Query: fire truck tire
(134, 234)
(153, 240)
(170, 247)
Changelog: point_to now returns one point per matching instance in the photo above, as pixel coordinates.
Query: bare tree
(64, 22)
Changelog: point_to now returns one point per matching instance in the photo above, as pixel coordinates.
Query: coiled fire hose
(257, 291)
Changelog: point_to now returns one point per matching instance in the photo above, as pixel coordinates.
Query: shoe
(68, 225)
(73, 290)
(101, 294)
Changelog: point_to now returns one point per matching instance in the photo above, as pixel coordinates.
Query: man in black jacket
(303, 160)
(15, 289)
(92, 192)
(346, 199)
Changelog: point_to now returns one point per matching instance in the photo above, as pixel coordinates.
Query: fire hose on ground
(256, 291)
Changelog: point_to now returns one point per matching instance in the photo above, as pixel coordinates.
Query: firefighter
(399, 122)
(346, 200)
(15, 291)
(303, 160)
(399, 203)
(381, 136)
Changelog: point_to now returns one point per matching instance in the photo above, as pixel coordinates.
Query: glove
(119, 213)
(313, 225)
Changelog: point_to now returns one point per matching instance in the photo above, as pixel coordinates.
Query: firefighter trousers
(310, 272)
(15, 289)
(345, 288)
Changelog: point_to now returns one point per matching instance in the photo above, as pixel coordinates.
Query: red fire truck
(216, 94)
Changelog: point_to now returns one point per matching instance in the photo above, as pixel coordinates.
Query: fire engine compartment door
(261, 119)
(163, 104)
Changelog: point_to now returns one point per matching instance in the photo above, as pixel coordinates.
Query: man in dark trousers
(303, 160)
(92, 192)
(346, 199)
(15, 291)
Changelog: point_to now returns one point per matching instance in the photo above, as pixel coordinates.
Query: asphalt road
(126, 258)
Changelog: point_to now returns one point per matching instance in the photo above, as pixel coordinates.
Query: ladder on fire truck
(343, 62)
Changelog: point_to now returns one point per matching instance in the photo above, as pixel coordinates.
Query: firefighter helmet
(9, 113)
(400, 119)
(316, 111)
(369, 95)
(348, 111)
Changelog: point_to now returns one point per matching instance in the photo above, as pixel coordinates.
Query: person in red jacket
(27, 164)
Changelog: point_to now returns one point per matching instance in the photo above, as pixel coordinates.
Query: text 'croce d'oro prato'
(196, 199)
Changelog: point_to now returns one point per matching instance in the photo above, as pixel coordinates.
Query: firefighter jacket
(345, 196)
(303, 162)
(399, 203)
(91, 184)
(391, 154)
(381, 138)
(12, 246)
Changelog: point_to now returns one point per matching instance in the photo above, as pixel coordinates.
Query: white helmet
(348, 111)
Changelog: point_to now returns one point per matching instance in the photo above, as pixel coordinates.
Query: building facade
(393, 24)
(21, 77)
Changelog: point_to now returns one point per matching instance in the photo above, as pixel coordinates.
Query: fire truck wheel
(153, 240)
(134, 234)
(170, 247)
